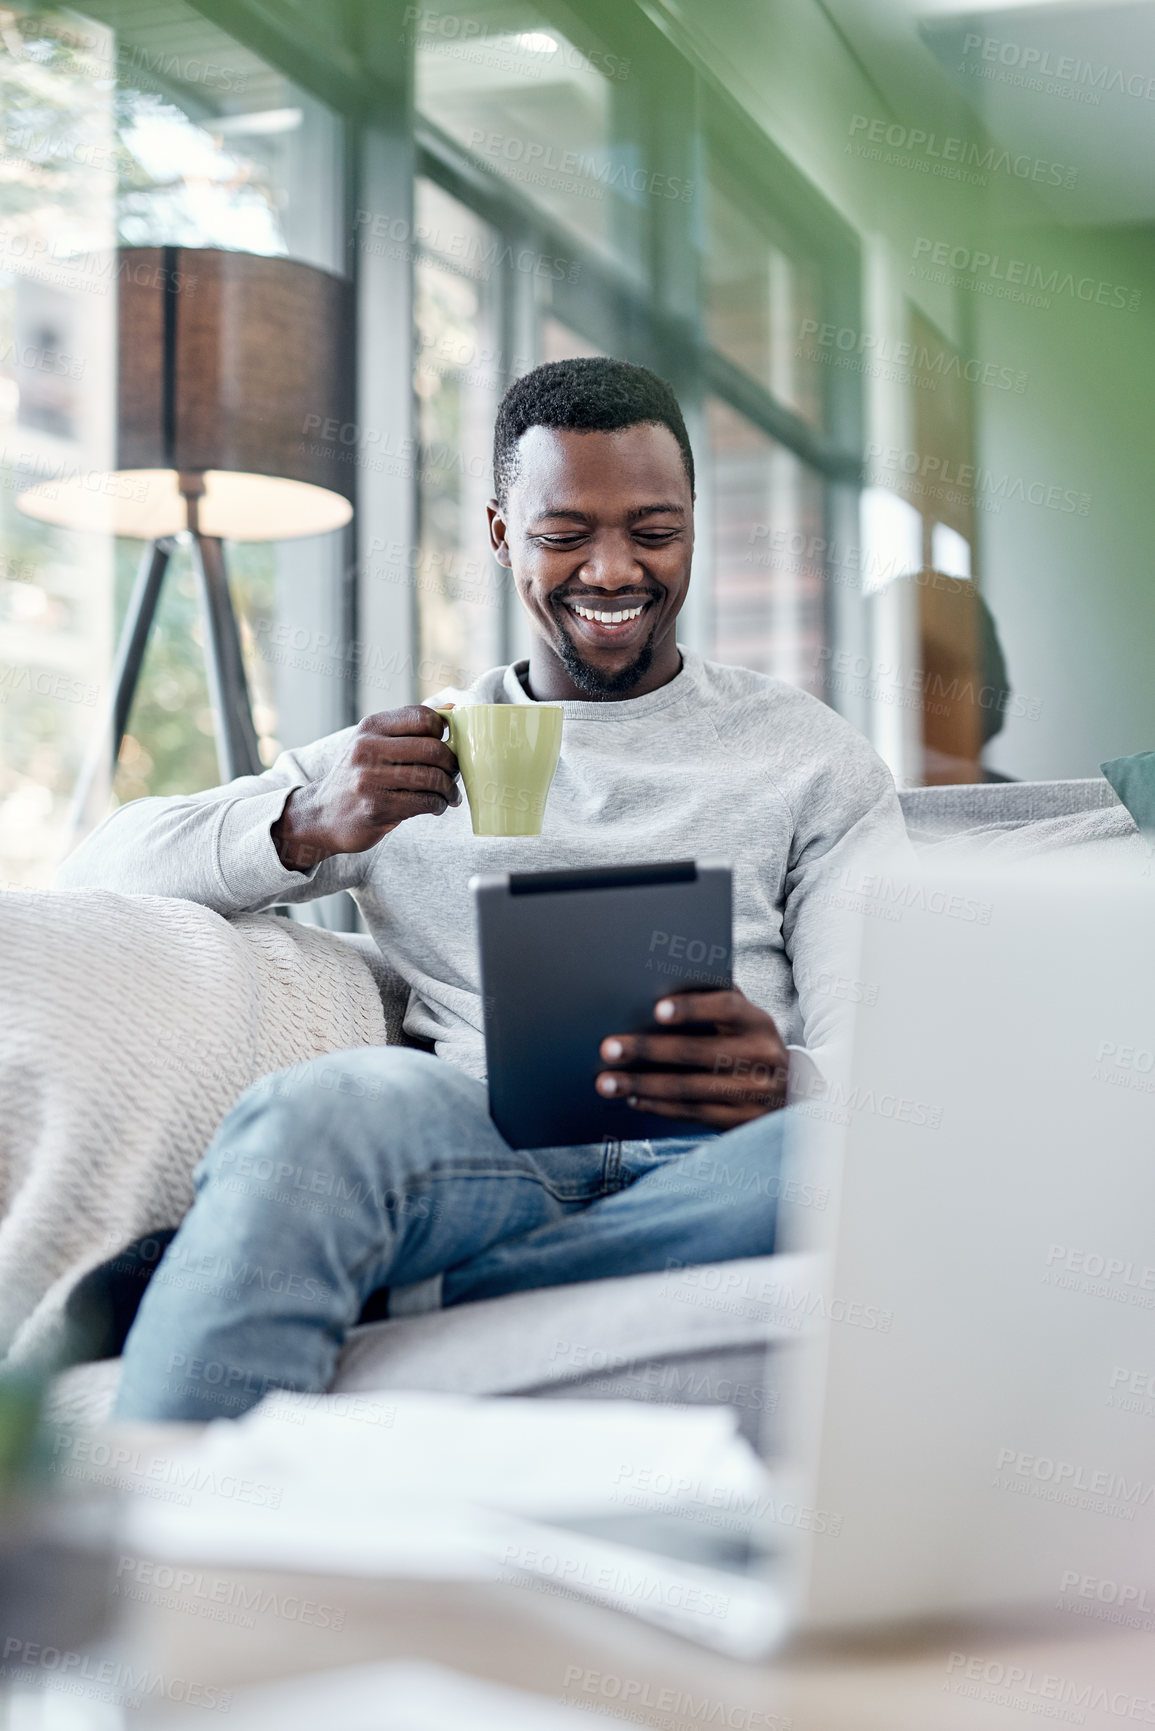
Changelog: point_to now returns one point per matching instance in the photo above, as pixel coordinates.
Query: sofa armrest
(964, 806)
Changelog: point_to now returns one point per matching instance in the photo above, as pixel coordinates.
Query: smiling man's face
(598, 530)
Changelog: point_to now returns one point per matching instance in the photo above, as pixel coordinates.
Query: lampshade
(235, 373)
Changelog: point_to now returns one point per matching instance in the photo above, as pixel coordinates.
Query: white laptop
(979, 1423)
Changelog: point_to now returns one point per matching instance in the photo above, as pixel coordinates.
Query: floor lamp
(232, 370)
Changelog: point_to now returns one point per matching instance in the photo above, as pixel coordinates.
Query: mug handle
(447, 710)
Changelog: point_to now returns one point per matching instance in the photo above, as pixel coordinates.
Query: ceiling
(1004, 61)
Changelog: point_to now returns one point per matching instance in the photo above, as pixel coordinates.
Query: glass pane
(534, 110)
(230, 155)
(768, 582)
(57, 337)
(164, 131)
(763, 305)
(559, 343)
(461, 590)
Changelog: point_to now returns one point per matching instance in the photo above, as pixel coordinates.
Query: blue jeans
(382, 1168)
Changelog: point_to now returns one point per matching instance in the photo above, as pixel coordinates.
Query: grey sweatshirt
(720, 762)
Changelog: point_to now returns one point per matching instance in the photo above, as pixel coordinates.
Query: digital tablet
(568, 957)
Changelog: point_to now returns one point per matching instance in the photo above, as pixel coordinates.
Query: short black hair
(588, 395)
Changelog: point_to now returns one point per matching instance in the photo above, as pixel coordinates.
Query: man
(664, 756)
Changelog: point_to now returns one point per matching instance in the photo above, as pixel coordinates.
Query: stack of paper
(445, 1486)
(389, 1697)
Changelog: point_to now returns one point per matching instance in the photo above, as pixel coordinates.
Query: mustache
(561, 598)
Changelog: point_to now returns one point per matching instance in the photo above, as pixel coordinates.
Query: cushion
(593, 1337)
(1133, 779)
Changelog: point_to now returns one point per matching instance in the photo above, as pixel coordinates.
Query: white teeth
(603, 617)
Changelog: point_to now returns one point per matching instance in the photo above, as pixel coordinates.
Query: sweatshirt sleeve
(849, 813)
(215, 847)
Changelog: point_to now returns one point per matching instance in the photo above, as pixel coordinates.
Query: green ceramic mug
(508, 753)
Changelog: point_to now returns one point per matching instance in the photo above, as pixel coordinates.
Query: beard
(591, 680)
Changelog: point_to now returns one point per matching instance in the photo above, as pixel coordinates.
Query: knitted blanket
(128, 1027)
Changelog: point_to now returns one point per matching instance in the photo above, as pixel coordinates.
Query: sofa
(657, 1336)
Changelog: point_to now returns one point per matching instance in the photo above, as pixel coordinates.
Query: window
(573, 194)
(717, 288)
(763, 304)
(768, 577)
(559, 343)
(57, 330)
(557, 126)
(780, 423)
(461, 590)
(162, 131)
(240, 158)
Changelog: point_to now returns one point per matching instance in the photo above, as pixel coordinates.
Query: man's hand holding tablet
(568, 956)
(722, 1063)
